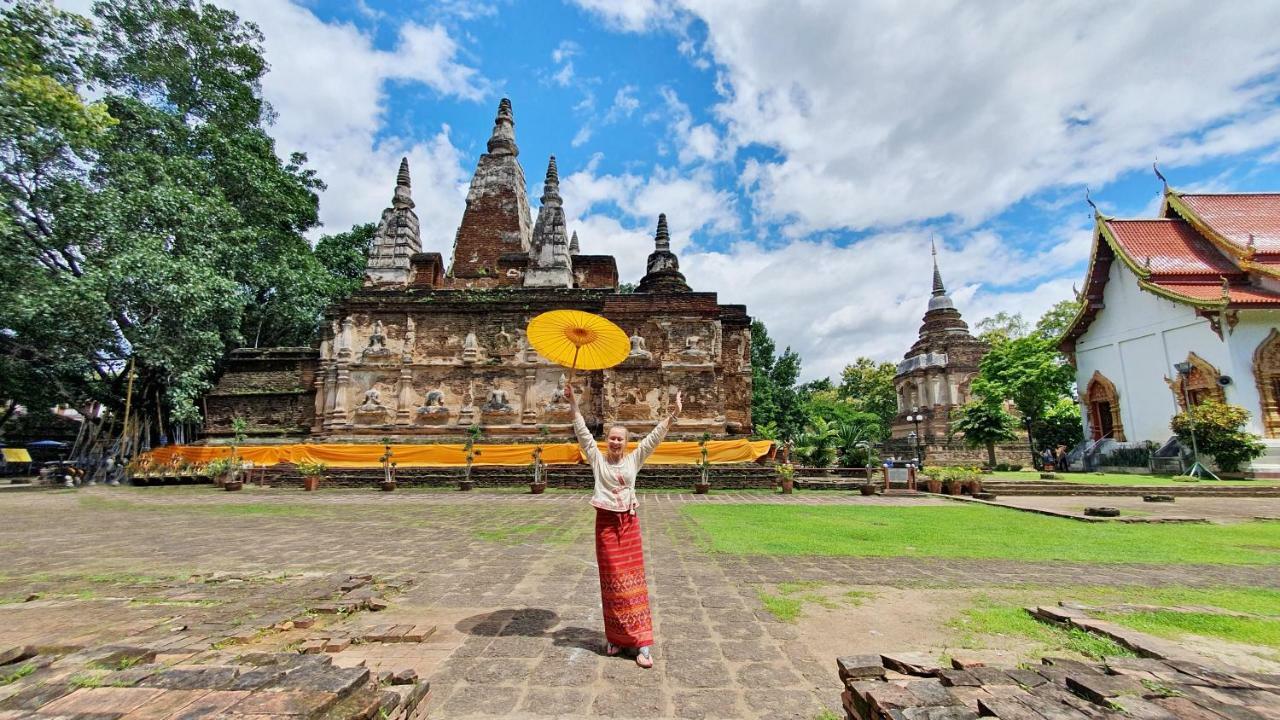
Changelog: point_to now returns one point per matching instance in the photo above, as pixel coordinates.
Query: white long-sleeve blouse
(615, 483)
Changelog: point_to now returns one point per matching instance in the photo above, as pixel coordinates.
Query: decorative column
(404, 394)
(529, 413)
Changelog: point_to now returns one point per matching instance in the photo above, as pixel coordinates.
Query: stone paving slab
(508, 581)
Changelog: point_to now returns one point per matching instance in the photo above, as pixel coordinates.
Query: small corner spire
(662, 239)
(503, 139)
(402, 177)
(551, 187)
(573, 244)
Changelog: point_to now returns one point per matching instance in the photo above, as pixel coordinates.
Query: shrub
(312, 469)
(1219, 431)
(1015, 467)
(1002, 467)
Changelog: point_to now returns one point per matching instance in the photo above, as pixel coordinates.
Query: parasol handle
(574, 366)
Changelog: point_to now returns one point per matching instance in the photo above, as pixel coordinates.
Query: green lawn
(970, 531)
(991, 618)
(1118, 479)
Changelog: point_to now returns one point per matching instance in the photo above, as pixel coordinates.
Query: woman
(623, 591)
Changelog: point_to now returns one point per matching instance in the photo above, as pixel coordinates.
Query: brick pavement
(508, 580)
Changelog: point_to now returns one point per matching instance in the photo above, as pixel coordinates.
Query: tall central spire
(503, 139)
(497, 219)
(938, 289)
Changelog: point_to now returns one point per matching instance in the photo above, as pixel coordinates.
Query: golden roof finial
(1226, 289)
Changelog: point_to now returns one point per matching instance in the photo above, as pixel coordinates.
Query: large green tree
(1055, 320)
(155, 226)
(774, 396)
(1002, 327)
(869, 386)
(1029, 372)
(984, 423)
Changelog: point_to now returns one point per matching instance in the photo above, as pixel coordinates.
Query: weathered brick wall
(684, 334)
(497, 218)
(595, 271)
(272, 389)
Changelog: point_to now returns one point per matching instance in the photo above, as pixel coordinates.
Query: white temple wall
(1134, 341)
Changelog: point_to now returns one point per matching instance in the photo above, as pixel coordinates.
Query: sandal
(643, 659)
(611, 650)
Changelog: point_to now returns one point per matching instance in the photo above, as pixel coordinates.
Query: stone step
(1180, 490)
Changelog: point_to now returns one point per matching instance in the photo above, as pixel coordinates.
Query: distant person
(1046, 459)
(624, 593)
(1060, 457)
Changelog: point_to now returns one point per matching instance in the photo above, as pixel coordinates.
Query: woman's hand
(569, 395)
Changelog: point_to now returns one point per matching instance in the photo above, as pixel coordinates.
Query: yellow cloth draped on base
(439, 455)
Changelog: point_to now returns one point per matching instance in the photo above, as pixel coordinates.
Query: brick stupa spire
(497, 218)
(550, 264)
(397, 238)
(662, 271)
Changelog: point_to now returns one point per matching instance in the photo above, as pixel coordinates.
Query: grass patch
(14, 676)
(972, 531)
(86, 680)
(857, 597)
(786, 609)
(1173, 624)
(788, 603)
(993, 619)
(166, 602)
(1258, 601)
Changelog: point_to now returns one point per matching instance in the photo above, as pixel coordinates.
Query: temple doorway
(1266, 369)
(1104, 408)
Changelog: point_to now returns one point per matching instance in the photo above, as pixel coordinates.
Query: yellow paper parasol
(578, 340)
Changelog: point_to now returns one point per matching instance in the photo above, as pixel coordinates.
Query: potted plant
(703, 486)
(312, 472)
(787, 477)
(539, 483)
(932, 480)
(474, 433)
(226, 472)
(953, 480)
(973, 481)
(388, 467)
(867, 488)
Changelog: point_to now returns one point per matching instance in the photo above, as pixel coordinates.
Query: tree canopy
(774, 396)
(154, 224)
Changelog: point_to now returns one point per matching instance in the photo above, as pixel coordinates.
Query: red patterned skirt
(623, 591)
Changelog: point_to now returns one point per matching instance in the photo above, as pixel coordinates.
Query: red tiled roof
(1212, 292)
(1235, 216)
(1175, 248)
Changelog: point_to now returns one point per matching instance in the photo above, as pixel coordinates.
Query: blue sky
(805, 154)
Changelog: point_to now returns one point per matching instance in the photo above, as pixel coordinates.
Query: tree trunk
(991, 454)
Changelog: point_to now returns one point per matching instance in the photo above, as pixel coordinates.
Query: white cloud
(328, 83)
(565, 50)
(693, 142)
(882, 114)
(689, 199)
(625, 103)
(632, 15)
(832, 304)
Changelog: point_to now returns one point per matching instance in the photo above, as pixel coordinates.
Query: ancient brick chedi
(933, 379)
(423, 352)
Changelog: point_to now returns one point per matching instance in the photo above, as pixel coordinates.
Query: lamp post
(1197, 470)
(915, 417)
